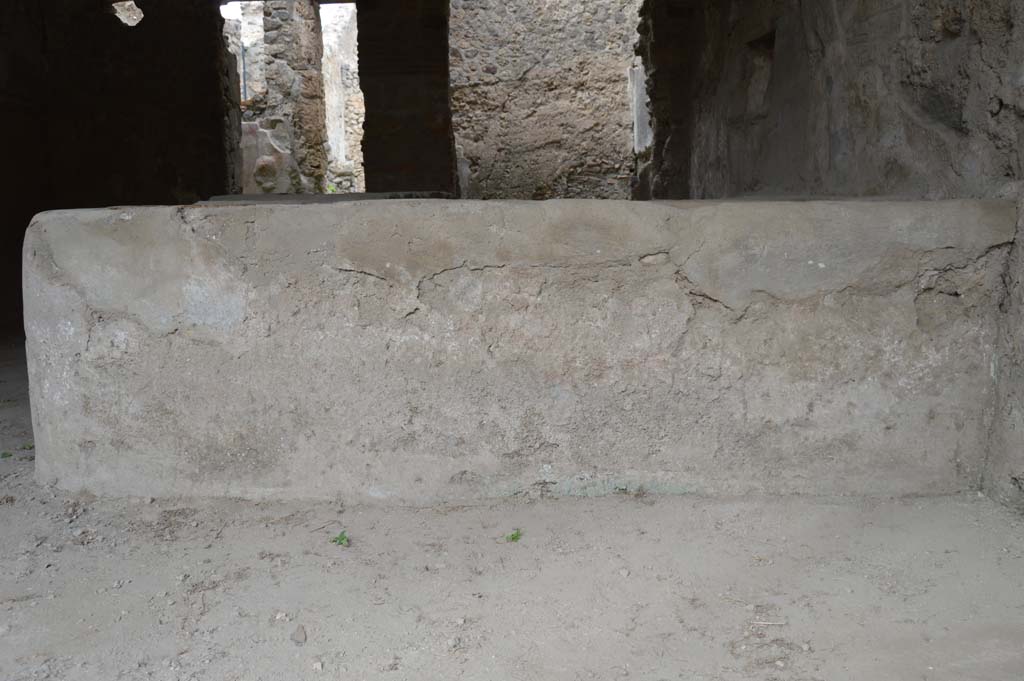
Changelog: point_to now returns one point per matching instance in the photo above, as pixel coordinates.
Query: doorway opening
(301, 102)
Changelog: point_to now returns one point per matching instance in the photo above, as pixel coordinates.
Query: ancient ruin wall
(354, 117)
(295, 90)
(252, 35)
(345, 107)
(540, 97)
(921, 98)
(244, 33)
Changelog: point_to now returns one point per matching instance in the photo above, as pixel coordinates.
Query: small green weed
(5, 455)
(27, 448)
(514, 536)
(342, 539)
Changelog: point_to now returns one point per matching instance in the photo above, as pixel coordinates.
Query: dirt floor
(622, 587)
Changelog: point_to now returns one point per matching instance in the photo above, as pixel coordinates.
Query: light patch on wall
(128, 12)
(232, 10)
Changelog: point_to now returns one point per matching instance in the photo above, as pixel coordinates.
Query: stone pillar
(295, 88)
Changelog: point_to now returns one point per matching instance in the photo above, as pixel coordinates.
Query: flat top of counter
(734, 251)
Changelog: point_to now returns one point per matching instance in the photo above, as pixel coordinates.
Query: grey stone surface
(424, 351)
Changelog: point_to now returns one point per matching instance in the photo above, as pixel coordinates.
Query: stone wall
(294, 111)
(345, 107)
(921, 98)
(421, 352)
(252, 35)
(540, 97)
(243, 29)
(355, 117)
(269, 164)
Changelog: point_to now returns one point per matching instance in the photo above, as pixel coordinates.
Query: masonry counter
(417, 351)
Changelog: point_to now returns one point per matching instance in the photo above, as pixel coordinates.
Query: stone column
(295, 88)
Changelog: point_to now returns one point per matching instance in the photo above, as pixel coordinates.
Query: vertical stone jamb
(295, 88)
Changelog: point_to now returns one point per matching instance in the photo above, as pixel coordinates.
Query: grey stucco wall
(415, 352)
